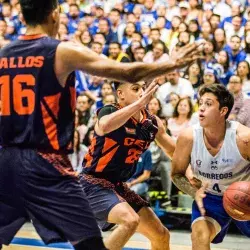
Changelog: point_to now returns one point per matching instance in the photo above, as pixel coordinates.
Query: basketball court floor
(27, 239)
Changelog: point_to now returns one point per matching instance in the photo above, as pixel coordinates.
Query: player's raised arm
(166, 143)
(115, 120)
(72, 56)
(181, 160)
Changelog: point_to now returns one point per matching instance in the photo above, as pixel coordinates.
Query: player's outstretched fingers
(189, 49)
(151, 86)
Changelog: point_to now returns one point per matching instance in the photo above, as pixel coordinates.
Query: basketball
(236, 200)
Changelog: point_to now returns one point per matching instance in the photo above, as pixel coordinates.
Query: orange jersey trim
(49, 124)
(31, 37)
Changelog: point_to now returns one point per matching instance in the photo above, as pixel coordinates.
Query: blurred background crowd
(147, 31)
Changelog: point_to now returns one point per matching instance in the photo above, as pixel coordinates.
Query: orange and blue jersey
(114, 156)
(37, 112)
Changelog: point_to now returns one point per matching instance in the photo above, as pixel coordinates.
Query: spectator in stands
(209, 76)
(74, 18)
(97, 47)
(131, 49)
(172, 9)
(139, 54)
(223, 70)
(3, 29)
(109, 99)
(184, 10)
(181, 117)
(193, 29)
(236, 54)
(235, 87)
(155, 37)
(83, 105)
(117, 27)
(214, 21)
(241, 108)
(100, 38)
(127, 35)
(194, 75)
(206, 31)
(243, 71)
(84, 38)
(106, 89)
(173, 32)
(195, 13)
(159, 54)
(115, 53)
(103, 27)
(80, 127)
(175, 84)
(76, 158)
(235, 28)
(63, 33)
(139, 181)
(219, 41)
(7, 12)
(209, 54)
(154, 106)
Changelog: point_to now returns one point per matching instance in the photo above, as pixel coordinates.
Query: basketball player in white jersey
(219, 153)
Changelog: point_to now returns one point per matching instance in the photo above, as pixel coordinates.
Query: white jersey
(226, 167)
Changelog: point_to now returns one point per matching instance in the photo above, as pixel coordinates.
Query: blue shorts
(34, 188)
(104, 195)
(216, 214)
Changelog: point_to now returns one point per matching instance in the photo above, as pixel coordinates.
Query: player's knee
(94, 243)
(200, 236)
(131, 221)
(161, 235)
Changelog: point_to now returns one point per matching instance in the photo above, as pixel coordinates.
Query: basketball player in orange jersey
(219, 153)
(122, 133)
(37, 125)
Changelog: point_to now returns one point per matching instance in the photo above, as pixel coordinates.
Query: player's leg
(110, 208)
(244, 227)
(57, 204)
(90, 244)
(203, 232)
(209, 228)
(151, 227)
(12, 213)
(127, 220)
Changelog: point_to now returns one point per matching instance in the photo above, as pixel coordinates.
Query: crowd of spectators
(147, 31)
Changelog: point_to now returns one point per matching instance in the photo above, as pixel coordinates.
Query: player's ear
(55, 15)
(120, 94)
(224, 111)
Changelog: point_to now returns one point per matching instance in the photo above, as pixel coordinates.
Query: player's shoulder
(243, 133)
(106, 110)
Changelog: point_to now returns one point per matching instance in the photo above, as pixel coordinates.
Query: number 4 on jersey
(216, 188)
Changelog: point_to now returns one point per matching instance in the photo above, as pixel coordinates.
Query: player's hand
(148, 94)
(186, 55)
(129, 184)
(199, 196)
(196, 183)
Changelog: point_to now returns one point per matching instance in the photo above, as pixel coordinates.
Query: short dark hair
(224, 97)
(36, 12)
(75, 5)
(116, 85)
(118, 44)
(234, 37)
